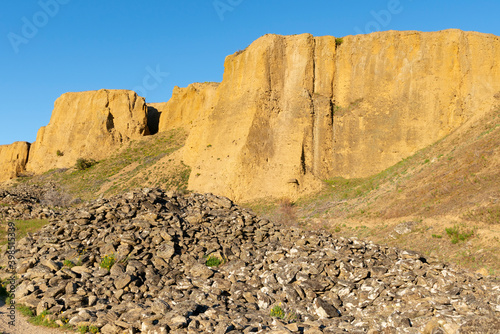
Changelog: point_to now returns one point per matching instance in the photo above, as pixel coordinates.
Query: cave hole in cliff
(153, 116)
(110, 123)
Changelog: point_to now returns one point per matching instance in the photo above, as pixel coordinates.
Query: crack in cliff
(313, 110)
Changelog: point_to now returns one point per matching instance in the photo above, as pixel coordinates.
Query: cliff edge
(294, 110)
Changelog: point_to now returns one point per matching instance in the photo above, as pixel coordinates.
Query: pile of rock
(27, 194)
(272, 279)
(32, 202)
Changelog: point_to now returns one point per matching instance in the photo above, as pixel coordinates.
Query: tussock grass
(23, 227)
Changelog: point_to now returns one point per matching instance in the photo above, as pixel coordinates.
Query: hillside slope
(453, 184)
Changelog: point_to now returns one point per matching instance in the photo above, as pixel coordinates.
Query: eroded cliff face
(88, 125)
(294, 110)
(13, 160)
(187, 106)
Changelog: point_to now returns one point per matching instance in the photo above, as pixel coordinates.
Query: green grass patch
(25, 310)
(459, 233)
(83, 329)
(107, 261)
(277, 312)
(68, 263)
(122, 171)
(23, 227)
(214, 261)
(41, 320)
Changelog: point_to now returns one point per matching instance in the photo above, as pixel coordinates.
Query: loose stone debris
(272, 279)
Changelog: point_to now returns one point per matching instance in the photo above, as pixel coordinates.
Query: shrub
(83, 329)
(339, 41)
(59, 153)
(93, 329)
(83, 164)
(457, 233)
(277, 312)
(107, 261)
(68, 263)
(54, 197)
(214, 261)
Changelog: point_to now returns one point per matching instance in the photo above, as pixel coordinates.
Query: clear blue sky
(50, 47)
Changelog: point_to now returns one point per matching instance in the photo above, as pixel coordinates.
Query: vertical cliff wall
(187, 107)
(13, 160)
(89, 124)
(293, 110)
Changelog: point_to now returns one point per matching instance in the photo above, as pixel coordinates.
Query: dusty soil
(22, 325)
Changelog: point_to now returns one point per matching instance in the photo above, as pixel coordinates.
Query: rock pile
(32, 202)
(271, 279)
(28, 194)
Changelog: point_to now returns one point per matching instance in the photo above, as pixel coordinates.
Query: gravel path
(22, 325)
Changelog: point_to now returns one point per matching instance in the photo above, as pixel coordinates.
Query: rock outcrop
(293, 110)
(13, 159)
(187, 107)
(89, 125)
(139, 263)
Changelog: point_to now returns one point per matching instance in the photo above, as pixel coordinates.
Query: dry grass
(455, 182)
(147, 162)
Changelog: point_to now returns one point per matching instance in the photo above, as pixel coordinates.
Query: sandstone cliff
(293, 110)
(187, 106)
(89, 124)
(13, 160)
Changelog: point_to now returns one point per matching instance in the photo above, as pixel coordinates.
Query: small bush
(339, 41)
(59, 153)
(458, 233)
(83, 329)
(93, 329)
(54, 197)
(68, 263)
(277, 312)
(214, 261)
(107, 261)
(83, 164)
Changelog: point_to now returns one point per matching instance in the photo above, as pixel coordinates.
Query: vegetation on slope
(448, 193)
(147, 162)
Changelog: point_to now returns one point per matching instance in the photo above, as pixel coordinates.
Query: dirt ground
(22, 326)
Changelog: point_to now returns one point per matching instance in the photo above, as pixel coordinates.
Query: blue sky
(49, 47)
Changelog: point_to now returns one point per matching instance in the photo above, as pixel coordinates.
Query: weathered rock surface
(160, 282)
(292, 110)
(187, 107)
(13, 159)
(89, 125)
